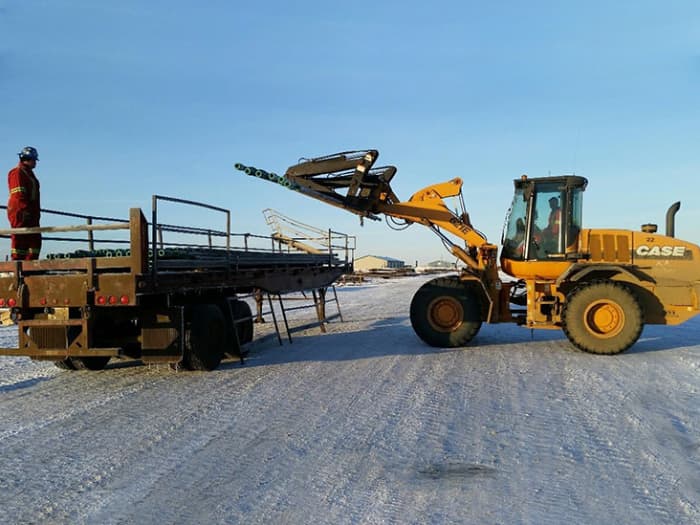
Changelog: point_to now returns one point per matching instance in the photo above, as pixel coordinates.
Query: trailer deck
(157, 299)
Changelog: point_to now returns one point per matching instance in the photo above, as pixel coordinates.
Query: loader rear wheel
(97, 362)
(446, 312)
(603, 317)
(205, 337)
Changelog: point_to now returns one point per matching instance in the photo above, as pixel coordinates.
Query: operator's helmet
(28, 153)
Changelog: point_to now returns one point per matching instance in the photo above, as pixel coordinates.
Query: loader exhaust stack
(671, 219)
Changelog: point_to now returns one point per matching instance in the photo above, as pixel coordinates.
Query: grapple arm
(350, 181)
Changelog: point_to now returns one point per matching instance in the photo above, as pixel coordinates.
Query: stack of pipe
(163, 253)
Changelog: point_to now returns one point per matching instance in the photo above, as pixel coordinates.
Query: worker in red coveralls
(23, 207)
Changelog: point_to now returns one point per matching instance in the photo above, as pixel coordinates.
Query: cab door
(540, 239)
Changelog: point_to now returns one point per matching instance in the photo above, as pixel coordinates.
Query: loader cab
(544, 220)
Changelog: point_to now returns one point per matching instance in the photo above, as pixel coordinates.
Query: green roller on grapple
(262, 174)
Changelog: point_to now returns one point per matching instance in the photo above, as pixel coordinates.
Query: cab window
(515, 231)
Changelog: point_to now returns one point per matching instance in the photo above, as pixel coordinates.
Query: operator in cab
(550, 233)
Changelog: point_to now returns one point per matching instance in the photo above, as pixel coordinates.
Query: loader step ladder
(318, 301)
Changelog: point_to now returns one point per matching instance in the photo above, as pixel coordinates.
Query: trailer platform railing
(177, 247)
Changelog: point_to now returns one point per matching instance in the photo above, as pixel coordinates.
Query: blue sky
(127, 99)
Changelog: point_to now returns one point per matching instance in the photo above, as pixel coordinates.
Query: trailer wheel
(237, 333)
(241, 310)
(205, 337)
(97, 362)
(80, 363)
(446, 312)
(65, 364)
(602, 317)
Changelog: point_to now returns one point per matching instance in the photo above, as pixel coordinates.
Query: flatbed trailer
(172, 303)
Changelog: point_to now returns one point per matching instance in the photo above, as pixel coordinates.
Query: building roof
(382, 257)
(441, 264)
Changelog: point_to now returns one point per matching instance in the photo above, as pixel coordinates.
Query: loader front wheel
(205, 337)
(603, 317)
(446, 312)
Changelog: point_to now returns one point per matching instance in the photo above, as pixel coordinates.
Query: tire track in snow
(66, 458)
(261, 434)
(26, 424)
(368, 427)
(334, 446)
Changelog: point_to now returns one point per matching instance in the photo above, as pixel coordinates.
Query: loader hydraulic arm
(427, 207)
(348, 180)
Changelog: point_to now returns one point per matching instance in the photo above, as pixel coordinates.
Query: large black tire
(205, 337)
(65, 364)
(602, 317)
(97, 362)
(81, 363)
(241, 310)
(446, 312)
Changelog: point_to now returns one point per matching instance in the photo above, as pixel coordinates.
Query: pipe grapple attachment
(347, 180)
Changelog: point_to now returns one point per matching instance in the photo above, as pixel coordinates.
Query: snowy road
(364, 424)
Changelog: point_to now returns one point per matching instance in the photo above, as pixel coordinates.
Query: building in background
(444, 265)
(367, 263)
(439, 267)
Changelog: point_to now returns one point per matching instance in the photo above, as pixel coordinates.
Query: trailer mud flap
(162, 335)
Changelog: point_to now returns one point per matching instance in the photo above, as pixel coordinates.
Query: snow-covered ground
(364, 424)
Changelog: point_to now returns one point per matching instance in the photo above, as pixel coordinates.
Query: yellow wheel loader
(598, 285)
